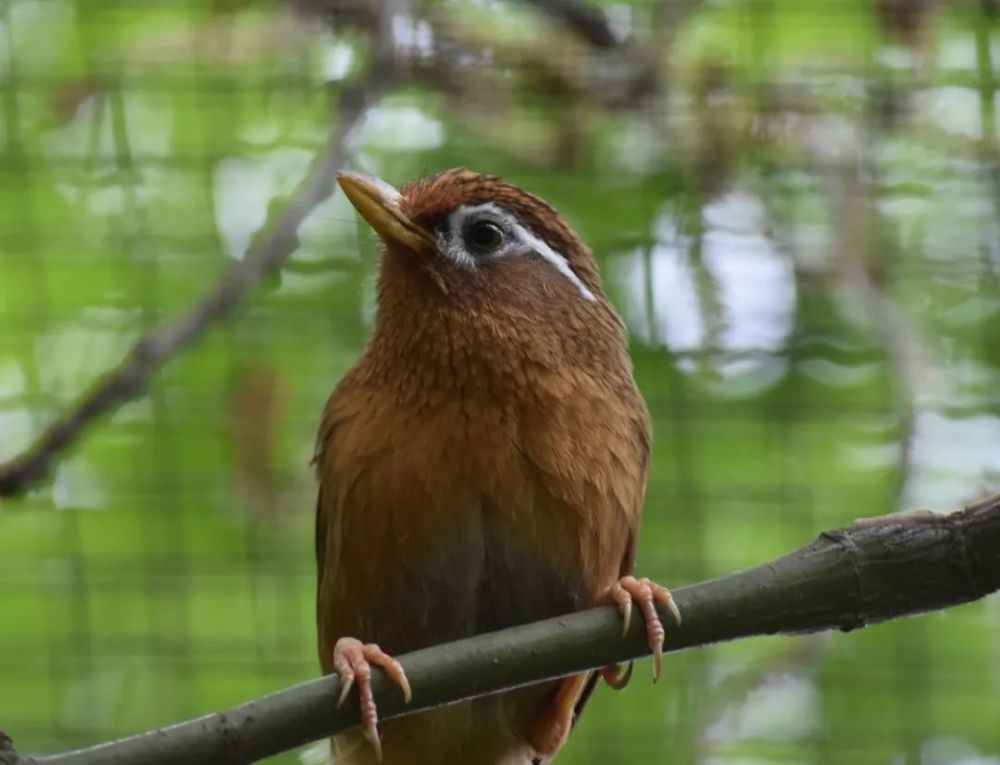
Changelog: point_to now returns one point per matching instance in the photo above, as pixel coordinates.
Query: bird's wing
(627, 565)
(611, 469)
(328, 512)
(324, 438)
(321, 531)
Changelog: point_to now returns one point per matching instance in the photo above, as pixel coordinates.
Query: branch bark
(265, 254)
(878, 569)
(587, 21)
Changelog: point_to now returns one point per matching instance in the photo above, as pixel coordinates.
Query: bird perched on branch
(482, 465)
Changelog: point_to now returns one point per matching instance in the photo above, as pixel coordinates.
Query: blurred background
(794, 204)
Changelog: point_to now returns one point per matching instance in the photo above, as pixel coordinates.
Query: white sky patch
(398, 128)
(753, 282)
(413, 35)
(148, 116)
(336, 60)
(244, 188)
(13, 381)
(953, 458)
(17, 426)
(786, 708)
(953, 750)
(956, 110)
(79, 349)
(958, 51)
(78, 486)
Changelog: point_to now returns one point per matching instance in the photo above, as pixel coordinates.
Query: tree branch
(587, 21)
(878, 569)
(270, 247)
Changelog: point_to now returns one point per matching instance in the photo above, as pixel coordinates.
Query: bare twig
(272, 245)
(587, 21)
(878, 569)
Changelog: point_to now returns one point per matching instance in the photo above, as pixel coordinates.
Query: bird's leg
(646, 594)
(352, 661)
(552, 726)
(554, 721)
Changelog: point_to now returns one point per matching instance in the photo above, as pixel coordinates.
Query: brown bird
(482, 465)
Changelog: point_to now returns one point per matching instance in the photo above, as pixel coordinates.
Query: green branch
(878, 569)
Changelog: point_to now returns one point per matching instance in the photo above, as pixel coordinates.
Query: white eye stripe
(558, 261)
(454, 248)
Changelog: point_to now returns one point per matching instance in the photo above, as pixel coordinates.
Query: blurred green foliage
(794, 204)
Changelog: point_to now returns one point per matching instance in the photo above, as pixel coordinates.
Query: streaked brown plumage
(483, 464)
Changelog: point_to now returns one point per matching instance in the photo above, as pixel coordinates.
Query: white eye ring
(454, 245)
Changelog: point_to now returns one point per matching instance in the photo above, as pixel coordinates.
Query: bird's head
(487, 263)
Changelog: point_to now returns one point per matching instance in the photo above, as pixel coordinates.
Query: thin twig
(587, 21)
(878, 569)
(265, 254)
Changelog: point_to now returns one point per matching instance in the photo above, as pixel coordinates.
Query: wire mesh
(795, 207)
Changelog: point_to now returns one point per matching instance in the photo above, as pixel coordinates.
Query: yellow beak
(378, 203)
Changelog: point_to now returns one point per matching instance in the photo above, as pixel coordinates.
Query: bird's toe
(353, 661)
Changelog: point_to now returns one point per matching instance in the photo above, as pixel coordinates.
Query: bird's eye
(483, 237)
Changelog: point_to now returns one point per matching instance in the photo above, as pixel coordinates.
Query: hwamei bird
(482, 465)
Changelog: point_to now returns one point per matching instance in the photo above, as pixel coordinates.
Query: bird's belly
(439, 539)
(478, 576)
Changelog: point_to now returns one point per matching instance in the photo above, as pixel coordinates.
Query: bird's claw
(646, 594)
(352, 661)
(615, 677)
